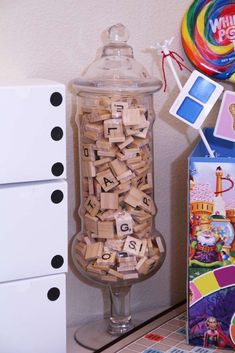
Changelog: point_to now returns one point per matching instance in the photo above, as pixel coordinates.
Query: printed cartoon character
(214, 336)
(211, 336)
(205, 249)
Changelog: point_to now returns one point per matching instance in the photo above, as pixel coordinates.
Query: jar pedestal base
(95, 335)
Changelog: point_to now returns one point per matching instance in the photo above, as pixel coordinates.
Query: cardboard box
(211, 245)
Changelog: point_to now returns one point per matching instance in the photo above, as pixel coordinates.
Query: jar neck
(121, 49)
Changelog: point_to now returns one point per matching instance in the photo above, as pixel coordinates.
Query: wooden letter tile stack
(117, 241)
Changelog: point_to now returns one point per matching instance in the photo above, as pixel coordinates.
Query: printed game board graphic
(225, 124)
(211, 285)
(173, 340)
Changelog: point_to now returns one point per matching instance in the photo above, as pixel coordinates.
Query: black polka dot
(57, 169)
(57, 261)
(53, 294)
(57, 196)
(56, 99)
(57, 133)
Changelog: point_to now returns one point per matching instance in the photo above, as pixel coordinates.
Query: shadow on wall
(178, 201)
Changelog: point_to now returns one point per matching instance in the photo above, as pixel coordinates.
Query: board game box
(211, 245)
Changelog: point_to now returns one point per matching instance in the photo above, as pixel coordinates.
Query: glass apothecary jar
(118, 244)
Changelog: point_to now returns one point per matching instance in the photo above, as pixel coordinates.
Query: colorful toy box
(211, 245)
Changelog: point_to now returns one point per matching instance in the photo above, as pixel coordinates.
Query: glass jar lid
(116, 69)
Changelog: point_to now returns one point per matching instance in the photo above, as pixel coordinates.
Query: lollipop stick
(170, 63)
(203, 137)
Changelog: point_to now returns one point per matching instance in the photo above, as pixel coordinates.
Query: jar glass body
(118, 244)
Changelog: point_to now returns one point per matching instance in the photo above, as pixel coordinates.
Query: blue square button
(189, 110)
(202, 89)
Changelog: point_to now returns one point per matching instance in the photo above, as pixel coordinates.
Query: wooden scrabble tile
(99, 128)
(91, 223)
(160, 245)
(109, 201)
(113, 129)
(134, 197)
(81, 260)
(92, 205)
(101, 168)
(114, 244)
(124, 223)
(150, 179)
(117, 139)
(143, 123)
(143, 247)
(145, 187)
(94, 251)
(92, 268)
(87, 152)
(140, 143)
(88, 169)
(87, 241)
(131, 275)
(147, 203)
(99, 115)
(106, 229)
(143, 131)
(115, 273)
(103, 145)
(139, 181)
(107, 180)
(140, 263)
(91, 185)
(106, 216)
(133, 117)
(143, 170)
(140, 227)
(121, 157)
(80, 248)
(130, 152)
(118, 167)
(110, 153)
(124, 177)
(102, 161)
(134, 160)
(135, 166)
(97, 189)
(107, 259)
(129, 131)
(132, 245)
(126, 143)
(148, 265)
(119, 109)
(123, 187)
(91, 135)
(142, 218)
(101, 267)
(127, 260)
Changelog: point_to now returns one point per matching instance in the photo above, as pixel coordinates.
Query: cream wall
(56, 39)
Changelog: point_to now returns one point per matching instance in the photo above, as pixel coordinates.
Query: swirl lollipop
(208, 36)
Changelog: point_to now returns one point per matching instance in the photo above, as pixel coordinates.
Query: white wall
(56, 39)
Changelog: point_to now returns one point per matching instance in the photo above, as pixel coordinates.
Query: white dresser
(33, 217)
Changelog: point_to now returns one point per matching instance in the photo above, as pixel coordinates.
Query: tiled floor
(164, 335)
